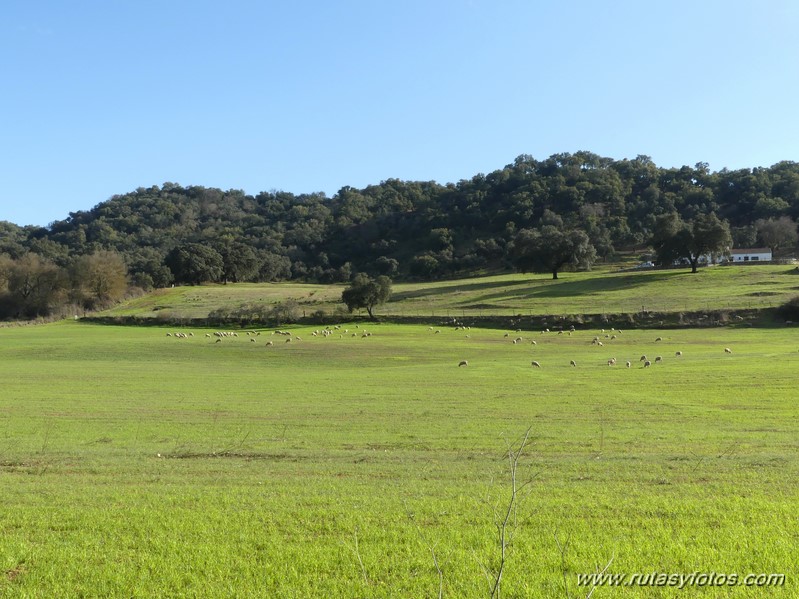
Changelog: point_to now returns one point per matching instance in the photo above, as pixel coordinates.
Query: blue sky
(100, 97)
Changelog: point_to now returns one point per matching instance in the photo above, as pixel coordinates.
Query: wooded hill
(410, 229)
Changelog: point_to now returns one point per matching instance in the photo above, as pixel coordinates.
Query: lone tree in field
(550, 248)
(674, 239)
(366, 292)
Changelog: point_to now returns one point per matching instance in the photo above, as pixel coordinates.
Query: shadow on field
(444, 289)
(565, 288)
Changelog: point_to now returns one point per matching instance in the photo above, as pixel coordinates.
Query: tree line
(566, 211)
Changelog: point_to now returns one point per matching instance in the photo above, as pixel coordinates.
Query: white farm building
(750, 255)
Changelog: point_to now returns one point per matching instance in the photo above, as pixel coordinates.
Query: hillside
(413, 230)
(601, 291)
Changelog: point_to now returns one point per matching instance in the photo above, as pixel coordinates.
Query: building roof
(752, 251)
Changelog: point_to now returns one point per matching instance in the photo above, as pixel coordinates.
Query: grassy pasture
(600, 291)
(138, 465)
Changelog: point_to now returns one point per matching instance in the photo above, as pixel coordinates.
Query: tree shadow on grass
(445, 289)
(565, 288)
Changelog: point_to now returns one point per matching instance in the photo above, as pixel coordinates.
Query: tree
(550, 248)
(670, 237)
(709, 236)
(34, 286)
(386, 266)
(777, 233)
(99, 278)
(239, 262)
(366, 292)
(673, 239)
(194, 263)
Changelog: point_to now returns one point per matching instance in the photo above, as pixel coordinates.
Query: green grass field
(133, 464)
(602, 291)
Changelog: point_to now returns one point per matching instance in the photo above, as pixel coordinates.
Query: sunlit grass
(136, 464)
(603, 291)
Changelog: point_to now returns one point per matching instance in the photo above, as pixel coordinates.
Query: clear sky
(100, 97)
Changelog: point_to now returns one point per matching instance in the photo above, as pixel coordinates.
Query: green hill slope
(601, 291)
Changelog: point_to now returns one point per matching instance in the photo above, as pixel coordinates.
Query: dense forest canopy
(402, 229)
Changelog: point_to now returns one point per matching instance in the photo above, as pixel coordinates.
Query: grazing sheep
(600, 344)
(629, 364)
(506, 335)
(288, 340)
(533, 342)
(647, 364)
(572, 363)
(463, 363)
(658, 359)
(612, 362)
(218, 341)
(727, 350)
(659, 339)
(678, 353)
(612, 337)
(270, 342)
(536, 364)
(169, 334)
(643, 359)
(518, 339)
(208, 334)
(437, 332)
(252, 340)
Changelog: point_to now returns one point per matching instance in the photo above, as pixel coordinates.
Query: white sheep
(727, 350)
(629, 364)
(536, 364)
(659, 339)
(643, 359)
(678, 353)
(572, 363)
(612, 362)
(533, 342)
(647, 364)
(658, 359)
(463, 363)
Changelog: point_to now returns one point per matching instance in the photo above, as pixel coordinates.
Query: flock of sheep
(597, 341)
(328, 331)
